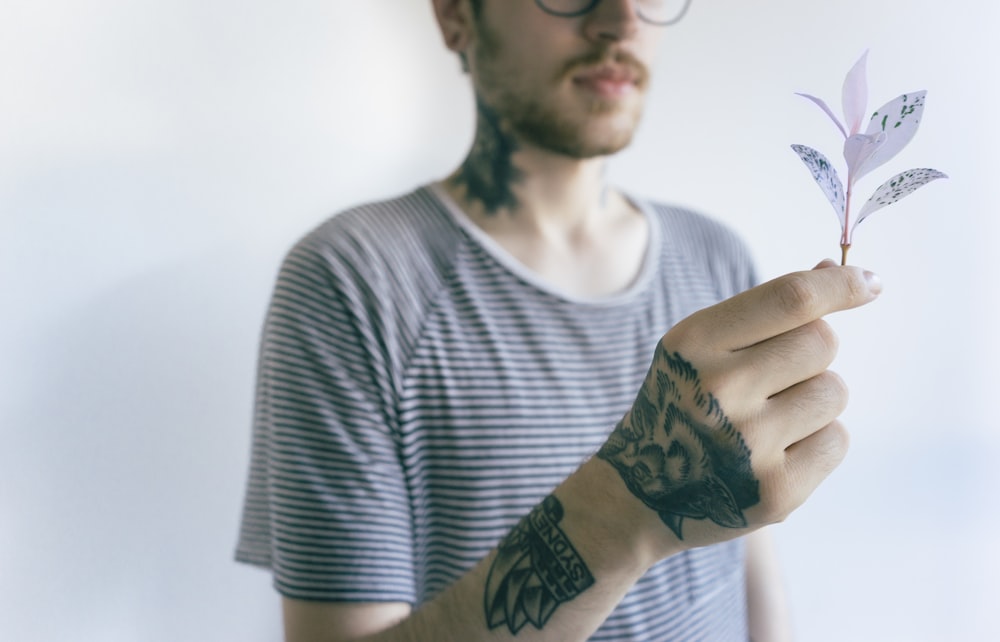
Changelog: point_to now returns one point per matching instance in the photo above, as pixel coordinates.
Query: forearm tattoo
(488, 173)
(678, 453)
(535, 570)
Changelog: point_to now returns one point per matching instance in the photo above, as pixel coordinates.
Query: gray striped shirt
(419, 391)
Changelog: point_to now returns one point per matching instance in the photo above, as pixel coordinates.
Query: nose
(612, 21)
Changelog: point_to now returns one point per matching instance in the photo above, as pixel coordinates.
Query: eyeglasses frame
(593, 3)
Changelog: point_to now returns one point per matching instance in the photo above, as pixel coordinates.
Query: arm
(591, 526)
(767, 604)
(320, 621)
(733, 428)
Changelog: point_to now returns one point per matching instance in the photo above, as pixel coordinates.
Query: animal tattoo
(677, 451)
(535, 570)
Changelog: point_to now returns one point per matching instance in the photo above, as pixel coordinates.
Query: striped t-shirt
(420, 390)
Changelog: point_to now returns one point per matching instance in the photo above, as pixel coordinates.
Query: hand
(735, 424)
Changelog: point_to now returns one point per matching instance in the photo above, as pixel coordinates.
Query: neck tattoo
(488, 172)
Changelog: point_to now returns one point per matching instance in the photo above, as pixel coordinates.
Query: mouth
(610, 79)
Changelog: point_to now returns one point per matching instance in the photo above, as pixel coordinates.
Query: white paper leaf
(857, 150)
(826, 108)
(825, 176)
(900, 185)
(899, 119)
(855, 95)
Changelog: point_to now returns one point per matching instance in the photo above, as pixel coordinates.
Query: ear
(455, 20)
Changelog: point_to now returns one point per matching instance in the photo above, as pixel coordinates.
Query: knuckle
(689, 328)
(777, 506)
(830, 396)
(838, 387)
(797, 296)
(824, 398)
(857, 287)
(825, 337)
(724, 384)
(832, 449)
(779, 515)
(679, 334)
(690, 336)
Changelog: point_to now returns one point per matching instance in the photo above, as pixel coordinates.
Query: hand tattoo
(536, 569)
(679, 454)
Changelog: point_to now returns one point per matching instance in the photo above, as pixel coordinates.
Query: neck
(504, 178)
(552, 213)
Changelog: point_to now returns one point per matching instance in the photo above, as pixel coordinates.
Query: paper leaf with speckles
(889, 130)
(897, 187)
(899, 120)
(825, 176)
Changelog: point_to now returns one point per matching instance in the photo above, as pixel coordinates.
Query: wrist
(621, 530)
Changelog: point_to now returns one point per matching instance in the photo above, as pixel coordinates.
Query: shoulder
(699, 240)
(380, 256)
(377, 267)
(400, 233)
(698, 231)
(366, 276)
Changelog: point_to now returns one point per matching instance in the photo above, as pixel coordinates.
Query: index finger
(788, 302)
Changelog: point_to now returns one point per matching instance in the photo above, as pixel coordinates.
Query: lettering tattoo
(536, 569)
(489, 172)
(678, 453)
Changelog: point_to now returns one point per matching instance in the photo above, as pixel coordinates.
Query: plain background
(158, 157)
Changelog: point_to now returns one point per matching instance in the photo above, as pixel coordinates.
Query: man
(459, 435)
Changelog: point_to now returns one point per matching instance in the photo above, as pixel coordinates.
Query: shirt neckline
(512, 264)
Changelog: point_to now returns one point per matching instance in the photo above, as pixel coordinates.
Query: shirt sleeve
(327, 507)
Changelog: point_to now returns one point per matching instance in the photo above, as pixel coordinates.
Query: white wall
(158, 157)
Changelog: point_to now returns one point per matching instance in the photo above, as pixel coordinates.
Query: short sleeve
(326, 506)
(727, 258)
(703, 243)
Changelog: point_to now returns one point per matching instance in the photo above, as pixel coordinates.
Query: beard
(535, 117)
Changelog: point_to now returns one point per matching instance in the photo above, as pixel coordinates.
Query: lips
(608, 80)
(608, 73)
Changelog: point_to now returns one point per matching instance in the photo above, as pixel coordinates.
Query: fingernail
(874, 282)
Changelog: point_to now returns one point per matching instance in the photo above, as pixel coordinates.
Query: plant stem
(845, 239)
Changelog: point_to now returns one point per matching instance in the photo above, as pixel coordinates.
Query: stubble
(510, 113)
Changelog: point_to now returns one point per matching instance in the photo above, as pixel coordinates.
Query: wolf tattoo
(679, 454)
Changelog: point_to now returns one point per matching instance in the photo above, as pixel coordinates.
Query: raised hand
(735, 424)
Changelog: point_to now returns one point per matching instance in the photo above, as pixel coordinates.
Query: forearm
(767, 604)
(557, 576)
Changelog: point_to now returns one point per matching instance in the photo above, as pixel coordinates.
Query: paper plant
(889, 129)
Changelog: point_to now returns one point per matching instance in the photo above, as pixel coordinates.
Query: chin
(603, 147)
(601, 139)
(575, 128)
(585, 144)
(608, 130)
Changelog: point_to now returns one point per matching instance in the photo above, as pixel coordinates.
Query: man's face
(574, 86)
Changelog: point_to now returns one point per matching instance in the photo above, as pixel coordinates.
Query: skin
(534, 178)
(736, 423)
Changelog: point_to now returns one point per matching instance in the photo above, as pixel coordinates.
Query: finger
(780, 305)
(771, 366)
(799, 411)
(811, 460)
(825, 263)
